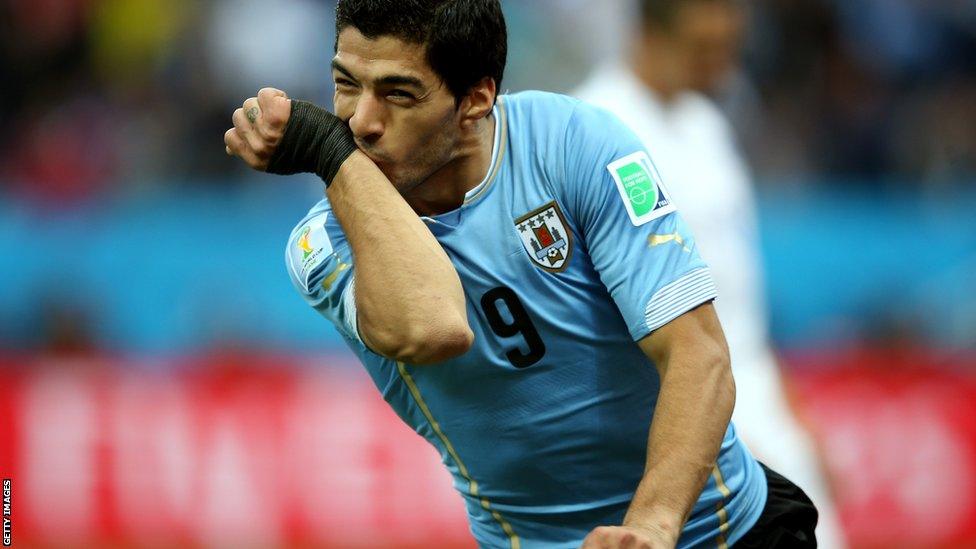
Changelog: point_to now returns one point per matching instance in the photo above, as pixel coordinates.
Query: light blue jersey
(569, 252)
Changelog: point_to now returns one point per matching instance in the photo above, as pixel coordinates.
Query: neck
(651, 63)
(445, 189)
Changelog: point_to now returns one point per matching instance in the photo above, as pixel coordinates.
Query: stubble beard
(440, 154)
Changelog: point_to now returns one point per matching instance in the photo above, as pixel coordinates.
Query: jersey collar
(451, 219)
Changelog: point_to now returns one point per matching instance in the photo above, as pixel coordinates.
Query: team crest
(545, 237)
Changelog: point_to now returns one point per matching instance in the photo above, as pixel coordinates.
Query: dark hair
(466, 40)
(661, 13)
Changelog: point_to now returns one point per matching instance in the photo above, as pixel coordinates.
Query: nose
(367, 122)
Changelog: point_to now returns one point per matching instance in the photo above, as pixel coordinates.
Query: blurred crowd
(111, 99)
(123, 96)
(864, 89)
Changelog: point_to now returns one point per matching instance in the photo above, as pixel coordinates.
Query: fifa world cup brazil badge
(546, 237)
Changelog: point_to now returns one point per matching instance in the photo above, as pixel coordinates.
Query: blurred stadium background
(161, 384)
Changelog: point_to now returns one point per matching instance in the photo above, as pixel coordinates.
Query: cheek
(409, 137)
(428, 146)
(345, 106)
(419, 141)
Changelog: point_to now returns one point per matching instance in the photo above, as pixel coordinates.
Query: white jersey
(693, 146)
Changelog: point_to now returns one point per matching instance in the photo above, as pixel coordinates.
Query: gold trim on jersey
(330, 279)
(503, 140)
(723, 514)
(513, 539)
(660, 239)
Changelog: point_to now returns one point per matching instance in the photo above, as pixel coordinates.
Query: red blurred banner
(898, 431)
(304, 452)
(104, 453)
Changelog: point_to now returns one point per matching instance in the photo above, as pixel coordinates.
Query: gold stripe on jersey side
(720, 510)
(330, 279)
(513, 539)
(496, 167)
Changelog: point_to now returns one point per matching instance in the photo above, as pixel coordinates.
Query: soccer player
(493, 263)
(683, 50)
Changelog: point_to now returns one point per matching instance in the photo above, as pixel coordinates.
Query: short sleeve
(644, 253)
(320, 267)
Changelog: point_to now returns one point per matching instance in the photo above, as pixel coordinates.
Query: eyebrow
(387, 80)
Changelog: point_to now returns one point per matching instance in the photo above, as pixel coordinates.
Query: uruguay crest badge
(545, 237)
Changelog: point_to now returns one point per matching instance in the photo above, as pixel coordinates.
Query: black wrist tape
(315, 141)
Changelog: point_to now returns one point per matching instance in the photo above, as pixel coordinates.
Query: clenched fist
(626, 537)
(259, 127)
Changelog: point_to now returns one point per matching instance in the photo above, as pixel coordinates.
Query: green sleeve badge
(640, 188)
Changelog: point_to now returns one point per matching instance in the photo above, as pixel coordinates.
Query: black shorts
(788, 520)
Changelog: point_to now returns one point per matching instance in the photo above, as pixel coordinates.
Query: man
(489, 261)
(683, 50)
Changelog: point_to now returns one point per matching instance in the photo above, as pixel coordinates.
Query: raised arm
(408, 295)
(410, 306)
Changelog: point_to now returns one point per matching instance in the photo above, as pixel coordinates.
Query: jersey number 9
(521, 324)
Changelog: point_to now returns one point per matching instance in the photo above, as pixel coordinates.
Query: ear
(479, 101)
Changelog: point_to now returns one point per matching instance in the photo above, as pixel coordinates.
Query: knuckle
(276, 121)
(265, 96)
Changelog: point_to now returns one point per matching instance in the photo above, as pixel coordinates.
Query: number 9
(521, 324)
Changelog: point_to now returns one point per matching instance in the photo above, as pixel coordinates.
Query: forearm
(692, 414)
(408, 295)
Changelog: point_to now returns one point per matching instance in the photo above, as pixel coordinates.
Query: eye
(400, 95)
(344, 83)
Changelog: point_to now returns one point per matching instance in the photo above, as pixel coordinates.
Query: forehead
(382, 56)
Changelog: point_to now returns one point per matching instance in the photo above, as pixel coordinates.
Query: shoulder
(311, 242)
(550, 109)
(539, 103)
(536, 115)
(319, 216)
(551, 118)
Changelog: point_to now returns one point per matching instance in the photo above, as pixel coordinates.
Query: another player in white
(682, 50)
